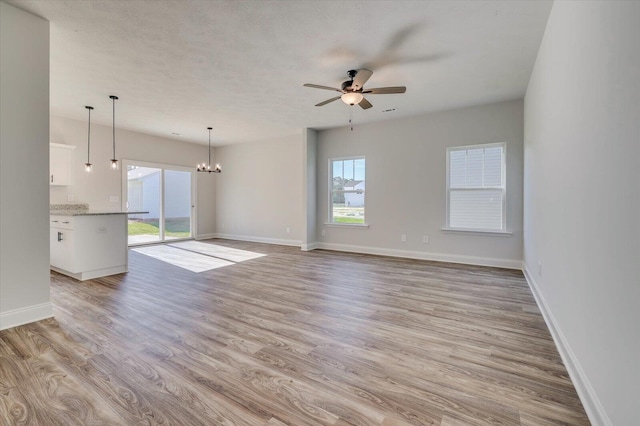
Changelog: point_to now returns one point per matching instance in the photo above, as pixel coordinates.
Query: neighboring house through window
(347, 187)
(476, 187)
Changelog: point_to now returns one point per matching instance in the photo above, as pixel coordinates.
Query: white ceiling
(239, 66)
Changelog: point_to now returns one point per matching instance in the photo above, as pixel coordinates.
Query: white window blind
(476, 187)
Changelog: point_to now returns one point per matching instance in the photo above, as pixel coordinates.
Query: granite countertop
(82, 210)
(88, 212)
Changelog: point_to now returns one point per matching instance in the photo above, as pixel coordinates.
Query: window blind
(476, 187)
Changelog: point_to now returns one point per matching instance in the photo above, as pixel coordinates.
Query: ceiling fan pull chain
(351, 117)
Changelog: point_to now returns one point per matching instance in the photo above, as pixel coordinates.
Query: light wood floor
(317, 338)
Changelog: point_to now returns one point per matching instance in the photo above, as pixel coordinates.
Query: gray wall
(24, 167)
(406, 184)
(309, 150)
(582, 199)
(259, 193)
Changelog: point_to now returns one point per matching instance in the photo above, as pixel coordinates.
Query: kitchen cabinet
(61, 243)
(88, 246)
(60, 164)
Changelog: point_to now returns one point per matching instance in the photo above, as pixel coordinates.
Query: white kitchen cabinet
(60, 164)
(88, 246)
(61, 244)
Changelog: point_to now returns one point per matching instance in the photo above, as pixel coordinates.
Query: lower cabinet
(88, 246)
(61, 245)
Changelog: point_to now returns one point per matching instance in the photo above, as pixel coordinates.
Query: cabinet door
(61, 247)
(60, 165)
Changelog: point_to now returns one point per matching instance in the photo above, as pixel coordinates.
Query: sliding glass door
(177, 202)
(166, 192)
(143, 194)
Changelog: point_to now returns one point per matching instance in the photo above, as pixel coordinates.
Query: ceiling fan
(353, 91)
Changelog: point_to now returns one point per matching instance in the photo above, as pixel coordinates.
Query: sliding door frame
(125, 195)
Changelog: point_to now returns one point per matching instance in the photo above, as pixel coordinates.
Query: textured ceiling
(239, 66)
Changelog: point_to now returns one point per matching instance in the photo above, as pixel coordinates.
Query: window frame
(503, 187)
(330, 220)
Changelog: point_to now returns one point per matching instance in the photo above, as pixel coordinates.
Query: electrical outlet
(101, 230)
(539, 268)
(114, 199)
(288, 230)
(425, 239)
(324, 233)
(70, 197)
(403, 238)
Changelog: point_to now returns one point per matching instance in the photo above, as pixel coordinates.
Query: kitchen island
(86, 244)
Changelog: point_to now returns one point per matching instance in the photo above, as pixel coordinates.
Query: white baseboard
(26, 315)
(205, 236)
(440, 257)
(278, 241)
(89, 275)
(594, 409)
(309, 247)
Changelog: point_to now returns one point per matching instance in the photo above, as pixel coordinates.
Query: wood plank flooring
(291, 338)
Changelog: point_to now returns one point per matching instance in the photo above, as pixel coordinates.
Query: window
(346, 202)
(476, 187)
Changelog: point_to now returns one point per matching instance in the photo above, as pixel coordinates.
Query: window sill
(478, 232)
(347, 225)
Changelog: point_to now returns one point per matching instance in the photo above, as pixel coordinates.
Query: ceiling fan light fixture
(352, 98)
(353, 89)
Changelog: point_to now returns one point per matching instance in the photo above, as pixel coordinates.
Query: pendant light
(88, 166)
(114, 161)
(207, 167)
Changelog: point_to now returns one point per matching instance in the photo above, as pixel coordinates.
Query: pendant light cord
(204, 167)
(88, 163)
(114, 161)
(89, 137)
(113, 98)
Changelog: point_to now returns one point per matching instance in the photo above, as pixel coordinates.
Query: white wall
(406, 184)
(259, 192)
(24, 167)
(95, 188)
(582, 199)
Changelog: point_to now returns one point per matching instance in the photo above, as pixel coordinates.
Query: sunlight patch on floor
(221, 252)
(197, 257)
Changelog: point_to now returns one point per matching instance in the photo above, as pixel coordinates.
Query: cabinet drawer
(63, 222)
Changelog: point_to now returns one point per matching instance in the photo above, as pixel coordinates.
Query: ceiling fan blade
(328, 100)
(360, 79)
(365, 104)
(386, 90)
(316, 86)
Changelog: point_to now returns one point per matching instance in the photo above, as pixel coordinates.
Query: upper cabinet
(60, 164)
